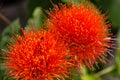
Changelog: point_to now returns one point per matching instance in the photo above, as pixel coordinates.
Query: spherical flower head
(37, 55)
(84, 29)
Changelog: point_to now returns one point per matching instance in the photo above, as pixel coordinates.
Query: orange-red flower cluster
(78, 34)
(38, 55)
(84, 29)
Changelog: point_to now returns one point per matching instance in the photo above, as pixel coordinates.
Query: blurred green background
(17, 14)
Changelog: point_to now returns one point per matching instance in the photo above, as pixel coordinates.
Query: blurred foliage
(87, 76)
(114, 14)
(118, 55)
(44, 4)
(37, 18)
(36, 9)
(10, 30)
(75, 1)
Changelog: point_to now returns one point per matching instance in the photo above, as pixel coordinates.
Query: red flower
(84, 29)
(37, 56)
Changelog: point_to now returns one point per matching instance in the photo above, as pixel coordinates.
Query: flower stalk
(105, 71)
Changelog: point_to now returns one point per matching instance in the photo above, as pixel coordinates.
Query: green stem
(105, 71)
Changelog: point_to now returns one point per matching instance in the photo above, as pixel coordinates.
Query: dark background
(12, 9)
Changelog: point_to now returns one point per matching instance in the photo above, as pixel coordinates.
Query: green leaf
(88, 76)
(7, 32)
(3, 73)
(10, 30)
(15, 26)
(37, 19)
(76, 75)
(38, 16)
(117, 58)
